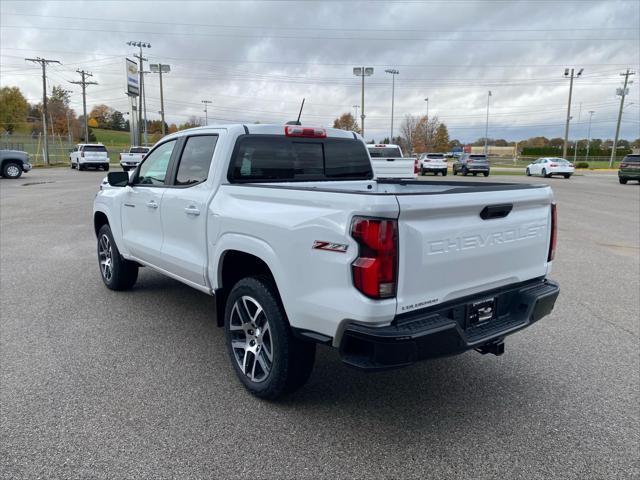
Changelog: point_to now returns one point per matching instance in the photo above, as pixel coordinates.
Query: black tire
(486, 174)
(291, 358)
(527, 172)
(464, 171)
(71, 165)
(544, 173)
(623, 181)
(80, 167)
(567, 175)
(475, 173)
(106, 168)
(124, 273)
(12, 170)
(454, 171)
(444, 173)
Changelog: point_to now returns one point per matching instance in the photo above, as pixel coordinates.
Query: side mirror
(118, 179)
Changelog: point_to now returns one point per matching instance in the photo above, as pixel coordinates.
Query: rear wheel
(267, 358)
(544, 173)
(454, 171)
(106, 168)
(444, 173)
(567, 175)
(80, 167)
(475, 173)
(464, 171)
(117, 273)
(486, 174)
(622, 180)
(11, 170)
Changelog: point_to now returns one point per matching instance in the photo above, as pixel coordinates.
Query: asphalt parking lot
(99, 384)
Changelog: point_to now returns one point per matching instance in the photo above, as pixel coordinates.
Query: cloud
(257, 60)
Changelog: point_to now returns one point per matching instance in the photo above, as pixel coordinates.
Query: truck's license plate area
(481, 311)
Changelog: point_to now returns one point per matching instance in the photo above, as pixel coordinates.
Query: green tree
(117, 121)
(441, 139)
(14, 108)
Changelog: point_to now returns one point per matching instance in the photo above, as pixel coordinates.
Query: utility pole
(83, 83)
(362, 72)
(428, 139)
(591, 112)
(623, 93)
(486, 128)
(43, 63)
(575, 145)
(140, 45)
(566, 127)
(206, 115)
(144, 108)
(393, 73)
(160, 68)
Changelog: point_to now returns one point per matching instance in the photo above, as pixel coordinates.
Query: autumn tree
(409, 133)
(14, 108)
(102, 115)
(346, 121)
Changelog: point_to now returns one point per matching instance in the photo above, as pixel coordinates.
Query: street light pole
(486, 128)
(566, 127)
(428, 139)
(206, 115)
(591, 112)
(393, 73)
(623, 93)
(160, 68)
(362, 72)
(356, 107)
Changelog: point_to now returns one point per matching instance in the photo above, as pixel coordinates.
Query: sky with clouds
(256, 60)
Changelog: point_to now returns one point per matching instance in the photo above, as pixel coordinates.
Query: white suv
(85, 155)
(433, 162)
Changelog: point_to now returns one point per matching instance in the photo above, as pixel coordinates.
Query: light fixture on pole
(486, 128)
(140, 45)
(393, 73)
(160, 68)
(622, 92)
(591, 112)
(569, 73)
(206, 115)
(362, 72)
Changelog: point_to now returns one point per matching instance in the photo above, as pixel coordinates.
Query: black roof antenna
(297, 122)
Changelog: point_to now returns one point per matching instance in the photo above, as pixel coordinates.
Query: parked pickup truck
(130, 160)
(300, 244)
(13, 163)
(388, 162)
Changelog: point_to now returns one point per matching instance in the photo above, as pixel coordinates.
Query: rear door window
(279, 158)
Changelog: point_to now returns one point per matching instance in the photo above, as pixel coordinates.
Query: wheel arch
(99, 220)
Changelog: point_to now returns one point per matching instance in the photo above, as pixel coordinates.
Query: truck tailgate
(448, 251)
(393, 167)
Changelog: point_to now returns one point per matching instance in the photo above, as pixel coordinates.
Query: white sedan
(549, 166)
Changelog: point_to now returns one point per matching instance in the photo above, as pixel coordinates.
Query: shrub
(582, 165)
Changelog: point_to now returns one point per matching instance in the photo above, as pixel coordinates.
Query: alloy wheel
(13, 171)
(251, 340)
(105, 254)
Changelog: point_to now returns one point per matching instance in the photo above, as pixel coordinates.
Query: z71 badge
(329, 246)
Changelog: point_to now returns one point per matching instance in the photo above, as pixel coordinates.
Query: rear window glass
(378, 152)
(632, 159)
(94, 148)
(478, 157)
(279, 158)
(435, 155)
(139, 150)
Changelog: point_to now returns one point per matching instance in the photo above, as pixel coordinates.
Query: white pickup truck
(131, 159)
(389, 162)
(300, 245)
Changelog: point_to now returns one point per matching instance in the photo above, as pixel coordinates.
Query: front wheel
(11, 170)
(486, 174)
(267, 358)
(528, 172)
(117, 273)
(454, 171)
(444, 173)
(623, 181)
(106, 168)
(567, 175)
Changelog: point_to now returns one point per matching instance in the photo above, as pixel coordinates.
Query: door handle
(152, 204)
(192, 210)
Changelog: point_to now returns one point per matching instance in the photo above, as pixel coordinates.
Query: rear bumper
(445, 330)
(629, 174)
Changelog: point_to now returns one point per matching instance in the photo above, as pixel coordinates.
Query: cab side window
(196, 159)
(153, 170)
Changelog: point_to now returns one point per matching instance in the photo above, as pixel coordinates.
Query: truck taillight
(623, 165)
(307, 132)
(415, 166)
(469, 161)
(375, 271)
(82, 154)
(554, 233)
